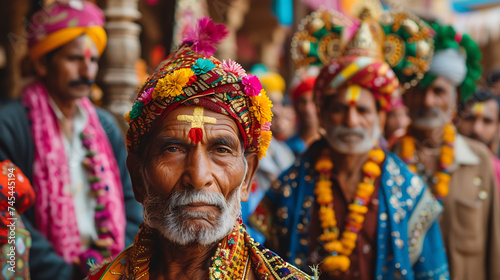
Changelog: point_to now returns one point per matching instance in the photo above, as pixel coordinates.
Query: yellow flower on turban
(261, 107)
(265, 139)
(172, 84)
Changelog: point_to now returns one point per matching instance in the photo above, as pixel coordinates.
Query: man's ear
(134, 168)
(253, 165)
(41, 66)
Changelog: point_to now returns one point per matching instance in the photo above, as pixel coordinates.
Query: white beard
(174, 223)
(439, 119)
(366, 144)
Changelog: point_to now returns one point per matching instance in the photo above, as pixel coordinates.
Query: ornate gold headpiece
(401, 38)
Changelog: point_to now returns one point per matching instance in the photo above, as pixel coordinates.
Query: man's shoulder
(396, 167)
(398, 178)
(480, 149)
(113, 270)
(268, 264)
(107, 120)
(11, 112)
(304, 161)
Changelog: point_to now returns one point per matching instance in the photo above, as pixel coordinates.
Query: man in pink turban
(72, 152)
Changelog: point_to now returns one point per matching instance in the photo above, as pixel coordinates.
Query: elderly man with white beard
(197, 130)
(457, 169)
(348, 204)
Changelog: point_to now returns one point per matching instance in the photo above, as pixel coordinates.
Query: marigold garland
(341, 249)
(442, 176)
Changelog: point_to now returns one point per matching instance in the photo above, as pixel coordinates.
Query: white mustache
(185, 198)
(343, 131)
(335, 135)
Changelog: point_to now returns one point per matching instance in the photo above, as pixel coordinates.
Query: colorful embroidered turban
(61, 22)
(457, 57)
(190, 76)
(363, 71)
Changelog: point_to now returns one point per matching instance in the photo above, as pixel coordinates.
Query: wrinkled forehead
(197, 119)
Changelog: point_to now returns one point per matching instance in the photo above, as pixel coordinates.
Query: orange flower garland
(441, 188)
(341, 249)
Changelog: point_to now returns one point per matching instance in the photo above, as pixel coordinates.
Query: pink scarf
(55, 213)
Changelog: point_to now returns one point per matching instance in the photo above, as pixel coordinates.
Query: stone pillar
(13, 46)
(231, 14)
(117, 74)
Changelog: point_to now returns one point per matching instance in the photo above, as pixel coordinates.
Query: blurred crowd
(381, 160)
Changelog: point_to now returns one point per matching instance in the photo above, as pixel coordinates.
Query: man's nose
(352, 117)
(478, 127)
(198, 173)
(87, 69)
(429, 98)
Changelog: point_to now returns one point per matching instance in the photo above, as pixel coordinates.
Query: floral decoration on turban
(191, 76)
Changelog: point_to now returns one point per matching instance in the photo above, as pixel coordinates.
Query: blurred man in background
(72, 152)
(457, 169)
(479, 118)
(307, 116)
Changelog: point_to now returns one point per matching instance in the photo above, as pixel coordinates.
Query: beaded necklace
(341, 249)
(230, 261)
(442, 175)
(99, 189)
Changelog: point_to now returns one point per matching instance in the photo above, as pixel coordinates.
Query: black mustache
(81, 82)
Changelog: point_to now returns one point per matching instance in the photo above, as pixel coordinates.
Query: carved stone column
(13, 46)
(117, 75)
(232, 14)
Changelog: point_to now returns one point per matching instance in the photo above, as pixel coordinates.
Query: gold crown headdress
(401, 38)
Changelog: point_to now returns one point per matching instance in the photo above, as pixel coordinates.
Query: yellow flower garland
(341, 249)
(441, 188)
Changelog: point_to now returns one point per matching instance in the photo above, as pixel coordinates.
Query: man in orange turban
(72, 152)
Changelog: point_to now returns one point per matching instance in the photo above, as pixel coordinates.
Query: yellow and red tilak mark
(353, 94)
(87, 52)
(197, 120)
(478, 108)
